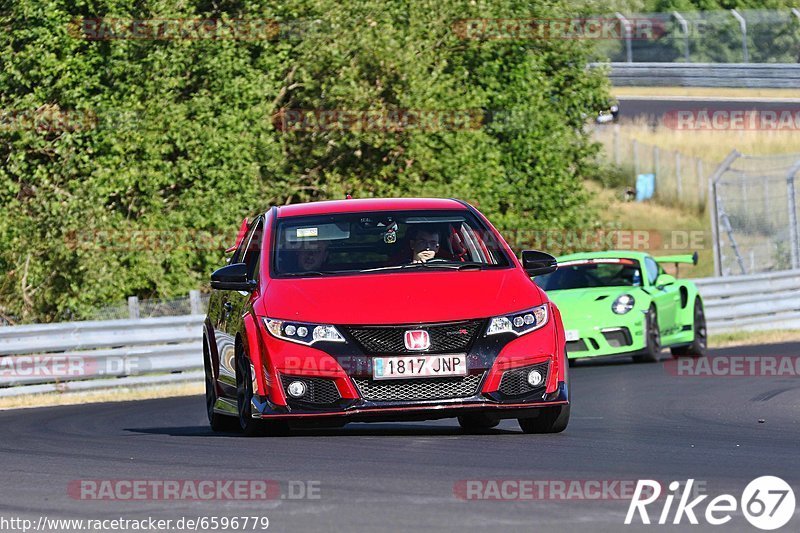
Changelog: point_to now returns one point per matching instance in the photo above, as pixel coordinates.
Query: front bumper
(364, 411)
(622, 338)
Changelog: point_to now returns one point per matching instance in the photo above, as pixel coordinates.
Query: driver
(424, 244)
(312, 256)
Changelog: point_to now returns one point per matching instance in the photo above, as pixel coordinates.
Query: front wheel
(653, 338)
(217, 421)
(477, 423)
(700, 342)
(550, 420)
(251, 427)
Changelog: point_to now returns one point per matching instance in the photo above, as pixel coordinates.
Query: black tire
(550, 420)
(251, 427)
(218, 422)
(653, 336)
(477, 422)
(699, 344)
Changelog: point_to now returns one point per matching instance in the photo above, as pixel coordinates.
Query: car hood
(402, 297)
(586, 304)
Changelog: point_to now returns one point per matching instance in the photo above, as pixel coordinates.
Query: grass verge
(121, 394)
(744, 338)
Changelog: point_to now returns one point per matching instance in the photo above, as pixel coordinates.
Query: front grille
(445, 338)
(320, 390)
(410, 390)
(576, 346)
(515, 382)
(618, 337)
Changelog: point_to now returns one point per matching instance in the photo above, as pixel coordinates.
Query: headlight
(623, 304)
(519, 323)
(302, 333)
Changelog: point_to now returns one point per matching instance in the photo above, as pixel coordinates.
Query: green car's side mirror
(664, 279)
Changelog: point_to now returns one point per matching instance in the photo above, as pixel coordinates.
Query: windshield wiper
(311, 273)
(437, 264)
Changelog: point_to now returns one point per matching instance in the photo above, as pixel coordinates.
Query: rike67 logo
(767, 503)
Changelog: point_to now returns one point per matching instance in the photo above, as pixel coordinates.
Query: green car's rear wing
(684, 258)
(677, 259)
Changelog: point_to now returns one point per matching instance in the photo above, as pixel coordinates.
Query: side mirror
(664, 279)
(232, 278)
(538, 263)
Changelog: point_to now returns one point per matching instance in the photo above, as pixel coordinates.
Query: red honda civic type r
(381, 310)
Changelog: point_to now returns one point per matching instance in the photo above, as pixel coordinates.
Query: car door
(233, 305)
(666, 298)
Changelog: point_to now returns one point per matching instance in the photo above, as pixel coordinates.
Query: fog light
(297, 389)
(535, 378)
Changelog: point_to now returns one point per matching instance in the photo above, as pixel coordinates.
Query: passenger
(424, 243)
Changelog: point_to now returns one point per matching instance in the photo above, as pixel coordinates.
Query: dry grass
(670, 224)
(121, 394)
(712, 146)
(743, 338)
(732, 92)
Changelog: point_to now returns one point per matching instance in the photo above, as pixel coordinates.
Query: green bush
(172, 142)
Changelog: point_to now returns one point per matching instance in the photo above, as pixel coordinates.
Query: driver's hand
(423, 256)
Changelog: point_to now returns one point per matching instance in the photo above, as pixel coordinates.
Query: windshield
(369, 242)
(592, 273)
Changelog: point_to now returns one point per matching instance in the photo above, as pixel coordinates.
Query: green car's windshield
(384, 241)
(592, 273)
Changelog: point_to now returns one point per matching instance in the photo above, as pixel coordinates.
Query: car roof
(367, 204)
(607, 254)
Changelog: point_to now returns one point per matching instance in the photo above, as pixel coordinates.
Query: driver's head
(424, 244)
(313, 255)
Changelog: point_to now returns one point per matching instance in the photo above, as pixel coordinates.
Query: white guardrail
(72, 356)
(753, 75)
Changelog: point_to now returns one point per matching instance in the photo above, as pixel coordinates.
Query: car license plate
(419, 366)
(572, 335)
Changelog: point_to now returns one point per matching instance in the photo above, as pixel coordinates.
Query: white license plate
(416, 366)
(572, 335)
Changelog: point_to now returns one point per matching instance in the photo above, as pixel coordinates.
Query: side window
(248, 251)
(652, 269)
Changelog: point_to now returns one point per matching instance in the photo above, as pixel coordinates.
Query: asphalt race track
(629, 421)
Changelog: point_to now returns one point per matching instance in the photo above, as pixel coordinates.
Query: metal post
(700, 173)
(712, 207)
(635, 157)
(794, 245)
(133, 307)
(656, 164)
(678, 174)
(685, 28)
(743, 26)
(194, 302)
(627, 25)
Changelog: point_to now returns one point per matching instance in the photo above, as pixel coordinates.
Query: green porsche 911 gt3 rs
(623, 303)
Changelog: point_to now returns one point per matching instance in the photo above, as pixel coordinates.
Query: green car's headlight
(519, 323)
(623, 304)
(302, 333)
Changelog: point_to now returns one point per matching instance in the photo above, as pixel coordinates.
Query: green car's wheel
(698, 346)
(550, 420)
(477, 422)
(653, 337)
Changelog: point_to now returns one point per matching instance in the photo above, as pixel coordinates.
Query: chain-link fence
(680, 179)
(193, 304)
(754, 217)
(725, 36)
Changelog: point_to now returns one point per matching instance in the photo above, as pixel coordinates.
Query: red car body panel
(393, 299)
